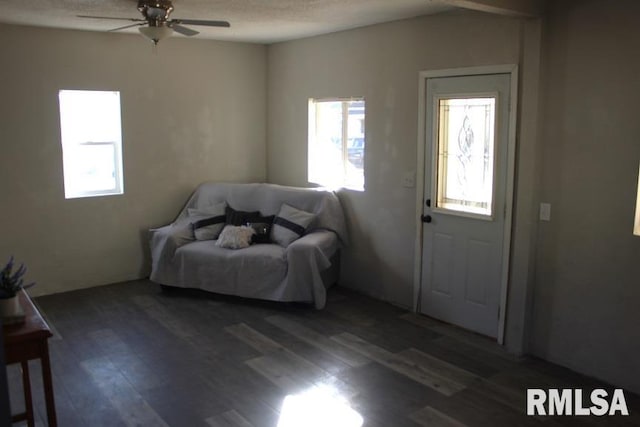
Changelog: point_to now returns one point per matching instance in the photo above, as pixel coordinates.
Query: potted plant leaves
(10, 284)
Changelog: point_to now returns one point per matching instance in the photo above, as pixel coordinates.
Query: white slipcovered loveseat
(299, 272)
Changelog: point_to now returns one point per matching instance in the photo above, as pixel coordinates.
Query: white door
(464, 209)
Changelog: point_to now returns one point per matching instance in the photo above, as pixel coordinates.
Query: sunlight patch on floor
(318, 407)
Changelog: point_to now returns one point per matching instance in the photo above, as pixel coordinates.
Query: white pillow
(235, 237)
(208, 222)
(290, 224)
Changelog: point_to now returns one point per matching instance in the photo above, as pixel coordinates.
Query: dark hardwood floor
(131, 355)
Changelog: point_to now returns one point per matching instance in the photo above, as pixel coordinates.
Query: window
(636, 227)
(337, 142)
(91, 137)
(465, 164)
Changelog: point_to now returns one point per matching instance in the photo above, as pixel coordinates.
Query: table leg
(26, 385)
(48, 387)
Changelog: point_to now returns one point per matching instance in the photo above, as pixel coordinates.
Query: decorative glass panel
(465, 147)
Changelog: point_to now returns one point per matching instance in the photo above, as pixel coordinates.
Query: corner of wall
(527, 188)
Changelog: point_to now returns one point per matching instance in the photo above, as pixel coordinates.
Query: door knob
(426, 218)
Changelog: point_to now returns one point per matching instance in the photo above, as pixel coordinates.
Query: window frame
(118, 188)
(437, 188)
(313, 119)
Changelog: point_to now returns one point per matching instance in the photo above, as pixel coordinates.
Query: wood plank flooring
(130, 354)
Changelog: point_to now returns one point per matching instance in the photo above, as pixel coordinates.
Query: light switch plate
(545, 211)
(409, 179)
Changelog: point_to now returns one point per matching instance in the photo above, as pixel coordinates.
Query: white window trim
(118, 188)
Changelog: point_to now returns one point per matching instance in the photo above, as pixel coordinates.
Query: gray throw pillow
(207, 223)
(290, 224)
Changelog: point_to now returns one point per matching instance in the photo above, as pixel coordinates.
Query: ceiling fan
(156, 25)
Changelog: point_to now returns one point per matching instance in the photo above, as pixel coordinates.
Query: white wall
(198, 110)
(382, 64)
(195, 111)
(587, 287)
(577, 148)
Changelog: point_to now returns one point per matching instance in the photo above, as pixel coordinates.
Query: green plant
(11, 282)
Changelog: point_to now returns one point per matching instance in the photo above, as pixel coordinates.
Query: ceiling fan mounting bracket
(156, 12)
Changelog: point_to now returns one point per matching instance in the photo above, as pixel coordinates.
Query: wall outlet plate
(545, 211)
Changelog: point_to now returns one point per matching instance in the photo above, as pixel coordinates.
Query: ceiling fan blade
(183, 30)
(137, 24)
(110, 17)
(204, 23)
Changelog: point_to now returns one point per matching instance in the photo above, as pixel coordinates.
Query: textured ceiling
(261, 21)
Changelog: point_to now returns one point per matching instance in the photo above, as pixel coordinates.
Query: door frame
(512, 70)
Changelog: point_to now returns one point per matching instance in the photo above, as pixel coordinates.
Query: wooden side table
(27, 341)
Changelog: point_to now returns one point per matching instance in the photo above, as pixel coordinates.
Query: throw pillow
(235, 217)
(234, 237)
(207, 223)
(290, 224)
(262, 226)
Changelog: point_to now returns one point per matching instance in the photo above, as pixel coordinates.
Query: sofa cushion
(237, 218)
(208, 222)
(233, 237)
(290, 224)
(252, 272)
(262, 225)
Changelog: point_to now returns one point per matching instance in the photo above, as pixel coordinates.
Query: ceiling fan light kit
(156, 25)
(155, 34)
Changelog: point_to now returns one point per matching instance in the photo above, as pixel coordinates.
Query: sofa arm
(324, 239)
(164, 242)
(175, 235)
(307, 257)
(318, 246)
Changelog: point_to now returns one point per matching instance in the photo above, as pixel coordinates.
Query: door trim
(512, 70)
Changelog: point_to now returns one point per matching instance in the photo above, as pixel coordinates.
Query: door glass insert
(465, 155)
